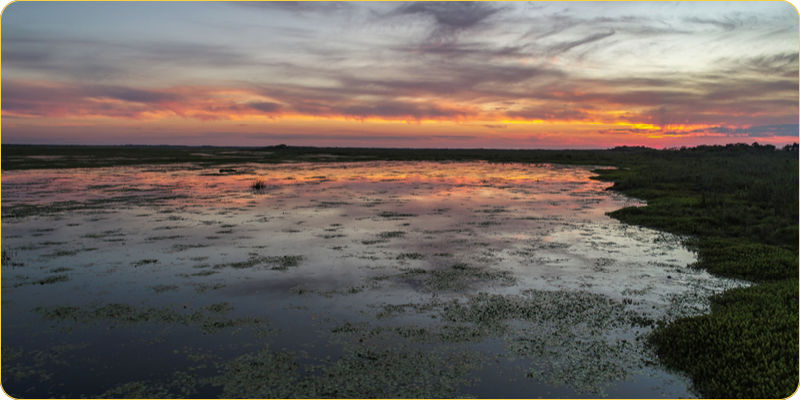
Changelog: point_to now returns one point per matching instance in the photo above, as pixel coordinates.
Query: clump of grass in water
(52, 279)
(7, 260)
(395, 215)
(278, 263)
(205, 273)
(146, 261)
(392, 234)
(204, 287)
(63, 253)
(258, 184)
(164, 288)
(183, 247)
(410, 256)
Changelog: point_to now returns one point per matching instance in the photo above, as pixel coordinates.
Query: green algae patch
(208, 320)
(747, 346)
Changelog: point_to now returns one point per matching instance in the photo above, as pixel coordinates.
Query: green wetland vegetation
(736, 206)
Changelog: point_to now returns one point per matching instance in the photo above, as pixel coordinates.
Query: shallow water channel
(374, 279)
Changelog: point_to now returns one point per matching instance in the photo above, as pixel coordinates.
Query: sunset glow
(457, 75)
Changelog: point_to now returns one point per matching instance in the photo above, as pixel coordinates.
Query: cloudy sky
(393, 74)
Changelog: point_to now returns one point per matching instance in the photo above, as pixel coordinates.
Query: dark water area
(379, 279)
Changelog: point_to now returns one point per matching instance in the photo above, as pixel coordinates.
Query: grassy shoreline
(738, 203)
(747, 347)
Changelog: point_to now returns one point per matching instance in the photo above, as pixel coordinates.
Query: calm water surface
(378, 279)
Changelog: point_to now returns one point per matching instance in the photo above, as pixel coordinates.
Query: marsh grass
(258, 184)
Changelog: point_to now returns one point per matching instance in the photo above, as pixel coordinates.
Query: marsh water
(373, 279)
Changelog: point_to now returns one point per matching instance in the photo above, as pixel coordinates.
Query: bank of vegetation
(738, 204)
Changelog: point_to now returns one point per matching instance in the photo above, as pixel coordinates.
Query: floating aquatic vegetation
(207, 319)
(391, 234)
(205, 287)
(184, 247)
(165, 288)
(457, 277)
(204, 273)
(276, 263)
(410, 256)
(145, 262)
(51, 279)
(65, 253)
(395, 215)
(364, 372)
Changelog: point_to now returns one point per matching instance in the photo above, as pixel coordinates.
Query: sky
(551, 75)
